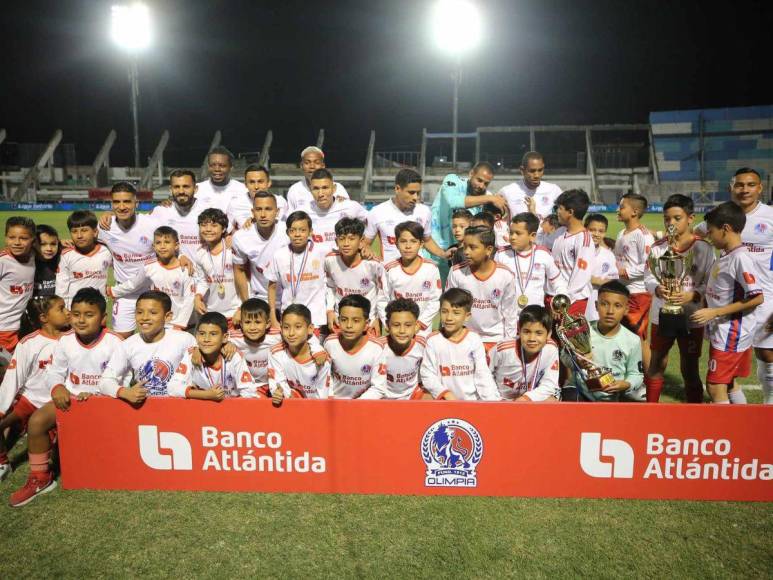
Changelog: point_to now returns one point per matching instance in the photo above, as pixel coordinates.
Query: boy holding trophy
(677, 271)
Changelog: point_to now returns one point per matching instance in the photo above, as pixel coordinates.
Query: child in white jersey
(297, 273)
(86, 264)
(217, 377)
(460, 221)
(164, 274)
(412, 277)
(151, 355)
(605, 264)
(348, 272)
(214, 263)
(403, 352)
(17, 276)
(78, 360)
(573, 249)
(526, 369)
(678, 213)
(23, 389)
(356, 360)
(492, 285)
(454, 364)
(732, 295)
(536, 274)
(292, 370)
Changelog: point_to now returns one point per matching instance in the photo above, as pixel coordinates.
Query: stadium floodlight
(457, 29)
(130, 30)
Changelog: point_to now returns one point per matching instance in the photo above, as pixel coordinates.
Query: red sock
(39, 463)
(3, 458)
(654, 387)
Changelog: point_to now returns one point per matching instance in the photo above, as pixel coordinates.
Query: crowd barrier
(421, 447)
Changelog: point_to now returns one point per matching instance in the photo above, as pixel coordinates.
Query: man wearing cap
(299, 195)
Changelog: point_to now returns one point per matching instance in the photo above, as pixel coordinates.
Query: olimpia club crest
(451, 449)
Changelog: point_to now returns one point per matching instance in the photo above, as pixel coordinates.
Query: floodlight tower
(130, 30)
(456, 26)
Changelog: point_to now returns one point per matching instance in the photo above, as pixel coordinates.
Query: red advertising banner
(421, 447)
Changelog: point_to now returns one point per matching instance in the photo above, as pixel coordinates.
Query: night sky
(293, 67)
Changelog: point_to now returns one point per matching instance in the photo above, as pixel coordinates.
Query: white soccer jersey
(323, 222)
(186, 226)
(131, 248)
(79, 367)
(304, 376)
(174, 281)
(215, 280)
(604, 266)
(494, 301)
(16, 281)
(383, 218)
(26, 374)
(538, 381)
(402, 372)
(221, 197)
(256, 354)
(733, 278)
(300, 279)
(154, 362)
(353, 373)
(230, 375)
(76, 271)
(423, 287)
(459, 367)
(539, 274)
(544, 197)
(242, 204)
(631, 251)
(363, 278)
(249, 247)
(575, 255)
(299, 196)
(702, 264)
(757, 236)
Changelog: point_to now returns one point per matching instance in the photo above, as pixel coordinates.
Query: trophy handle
(688, 260)
(652, 263)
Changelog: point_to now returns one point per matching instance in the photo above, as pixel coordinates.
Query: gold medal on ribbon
(523, 300)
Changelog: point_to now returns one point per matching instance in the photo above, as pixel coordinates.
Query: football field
(182, 534)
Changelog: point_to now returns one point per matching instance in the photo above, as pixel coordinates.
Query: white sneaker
(5, 470)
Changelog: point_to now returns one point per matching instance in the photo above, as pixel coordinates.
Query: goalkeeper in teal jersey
(614, 347)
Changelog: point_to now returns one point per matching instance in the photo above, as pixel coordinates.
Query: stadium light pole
(130, 30)
(456, 27)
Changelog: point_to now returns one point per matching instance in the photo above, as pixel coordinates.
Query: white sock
(765, 375)
(737, 397)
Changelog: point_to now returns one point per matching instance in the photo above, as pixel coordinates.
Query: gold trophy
(574, 334)
(670, 270)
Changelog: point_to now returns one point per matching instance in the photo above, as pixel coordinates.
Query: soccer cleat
(5, 470)
(35, 486)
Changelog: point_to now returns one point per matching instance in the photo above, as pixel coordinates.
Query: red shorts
(726, 366)
(23, 409)
(578, 307)
(9, 339)
(638, 316)
(690, 345)
(417, 394)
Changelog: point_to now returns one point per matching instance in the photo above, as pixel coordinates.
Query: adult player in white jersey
(256, 178)
(182, 213)
(254, 247)
(531, 193)
(130, 240)
(299, 195)
(326, 210)
(17, 276)
(221, 191)
(403, 206)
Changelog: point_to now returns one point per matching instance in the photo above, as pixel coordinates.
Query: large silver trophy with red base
(574, 333)
(670, 270)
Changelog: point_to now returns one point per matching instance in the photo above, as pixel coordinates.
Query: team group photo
(530, 323)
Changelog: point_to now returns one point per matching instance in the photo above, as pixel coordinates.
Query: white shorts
(763, 338)
(123, 315)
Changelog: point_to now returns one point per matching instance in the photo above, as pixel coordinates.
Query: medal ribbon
(212, 383)
(295, 281)
(536, 369)
(522, 285)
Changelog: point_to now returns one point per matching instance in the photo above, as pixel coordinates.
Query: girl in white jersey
(23, 389)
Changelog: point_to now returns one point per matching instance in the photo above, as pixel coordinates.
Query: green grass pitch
(176, 534)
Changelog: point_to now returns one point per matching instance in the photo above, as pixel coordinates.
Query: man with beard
(182, 214)
(457, 192)
(299, 195)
